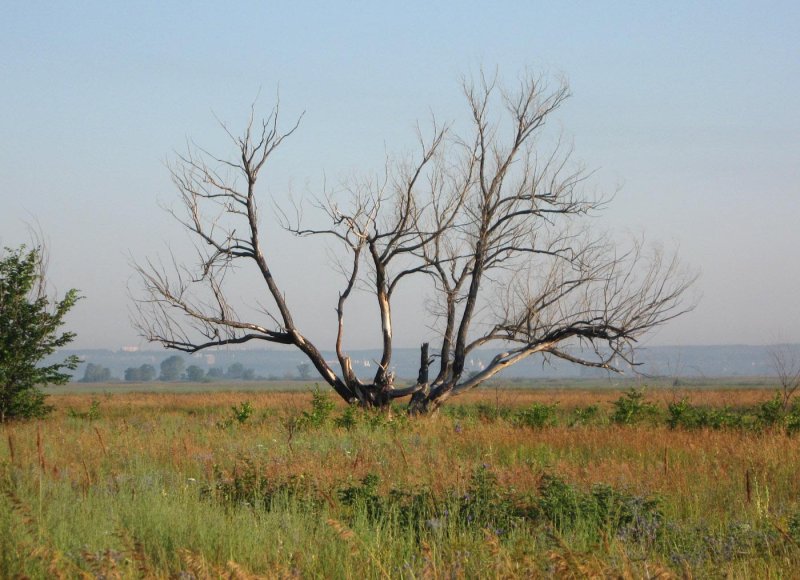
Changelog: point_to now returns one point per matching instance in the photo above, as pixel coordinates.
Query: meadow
(505, 482)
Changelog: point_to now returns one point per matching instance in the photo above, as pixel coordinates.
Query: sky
(690, 109)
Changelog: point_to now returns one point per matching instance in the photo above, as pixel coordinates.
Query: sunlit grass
(136, 488)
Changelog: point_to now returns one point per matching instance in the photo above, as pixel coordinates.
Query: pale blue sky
(692, 107)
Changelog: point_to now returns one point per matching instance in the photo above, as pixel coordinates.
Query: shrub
(686, 416)
(602, 510)
(349, 419)
(92, 414)
(239, 414)
(536, 416)
(631, 408)
(792, 420)
(584, 415)
(771, 412)
(364, 496)
(794, 526)
(486, 505)
(247, 485)
(321, 409)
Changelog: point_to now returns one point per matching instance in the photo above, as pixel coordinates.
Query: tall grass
(507, 484)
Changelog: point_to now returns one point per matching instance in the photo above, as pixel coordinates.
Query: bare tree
(786, 363)
(495, 227)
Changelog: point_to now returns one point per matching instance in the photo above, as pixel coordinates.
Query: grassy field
(548, 482)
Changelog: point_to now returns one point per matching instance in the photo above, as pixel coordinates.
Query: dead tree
(494, 226)
(786, 364)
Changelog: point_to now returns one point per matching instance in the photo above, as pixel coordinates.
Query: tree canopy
(172, 368)
(29, 332)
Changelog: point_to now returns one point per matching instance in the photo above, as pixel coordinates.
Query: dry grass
(704, 475)
(178, 431)
(568, 398)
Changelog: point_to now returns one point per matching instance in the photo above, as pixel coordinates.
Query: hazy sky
(694, 108)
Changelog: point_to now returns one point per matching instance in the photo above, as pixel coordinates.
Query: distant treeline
(174, 369)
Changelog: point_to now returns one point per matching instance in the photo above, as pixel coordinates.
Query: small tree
(142, 373)
(235, 371)
(195, 374)
(172, 368)
(29, 332)
(96, 374)
(304, 371)
(786, 363)
(147, 373)
(491, 224)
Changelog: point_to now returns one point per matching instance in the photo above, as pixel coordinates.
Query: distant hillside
(669, 361)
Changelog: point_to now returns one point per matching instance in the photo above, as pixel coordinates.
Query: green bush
(486, 505)
(321, 408)
(239, 414)
(584, 415)
(601, 511)
(631, 408)
(92, 414)
(684, 415)
(349, 419)
(794, 526)
(536, 416)
(792, 419)
(771, 413)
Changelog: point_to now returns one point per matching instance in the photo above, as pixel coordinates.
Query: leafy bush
(794, 526)
(247, 485)
(792, 419)
(349, 419)
(321, 408)
(603, 510)
(486, 505)
(631, 408)
(484, 412)
(536, 416)
(687, 416)
(239, 414)
(770, 413)
(92, 414)
(365, 496)
(584, 415)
